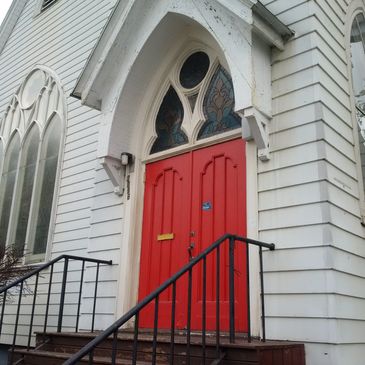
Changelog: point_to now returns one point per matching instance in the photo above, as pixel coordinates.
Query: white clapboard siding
(315, 305)
(308, 200)
(309, 192)
(62, 38)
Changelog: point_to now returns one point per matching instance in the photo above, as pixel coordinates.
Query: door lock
(190, 249)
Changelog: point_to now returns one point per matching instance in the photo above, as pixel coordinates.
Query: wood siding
(62, 38)
(309, 198)
(309, 192)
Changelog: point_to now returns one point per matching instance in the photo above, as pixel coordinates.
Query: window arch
(8, 178)
(218, 106)
(357, 54)
(198, 103)
(36, 113)
(26, 177)
(168, 123)
(46, 183)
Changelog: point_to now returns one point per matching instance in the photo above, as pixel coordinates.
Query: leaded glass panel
(27, 172)
(8, 183)
(218, 106)
(49, 165)
(168, 123)
(194, 70)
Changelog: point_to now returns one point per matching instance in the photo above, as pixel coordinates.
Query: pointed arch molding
(37, 99)
(36, 117)
(231, 23)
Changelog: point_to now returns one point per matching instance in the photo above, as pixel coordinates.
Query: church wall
(309, 197)
(62, 38)
(308, 193)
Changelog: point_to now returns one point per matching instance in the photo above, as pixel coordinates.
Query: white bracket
(257, 130)
(116, 172)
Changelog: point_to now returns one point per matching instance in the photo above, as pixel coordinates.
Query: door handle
(190, 250)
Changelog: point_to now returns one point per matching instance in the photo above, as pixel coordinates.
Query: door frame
(132, 233)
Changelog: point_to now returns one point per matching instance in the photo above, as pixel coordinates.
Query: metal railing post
(33, 309)
(16, 323)
(262, 296)
(231, 291)
(248, 293)
(95, 296)
(80, 295)
(3, 311)
(217, 302)
(155, 331)
(63, 293)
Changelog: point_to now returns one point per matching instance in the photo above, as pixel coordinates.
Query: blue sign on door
(206, 206)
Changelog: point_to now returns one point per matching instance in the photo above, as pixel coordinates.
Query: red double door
(190, 201)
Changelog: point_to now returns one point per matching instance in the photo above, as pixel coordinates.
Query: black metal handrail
(21, 283)
(112, 330)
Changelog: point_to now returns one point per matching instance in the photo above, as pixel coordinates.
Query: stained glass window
(27, 187)
(218, 106)
(168, 123)
(49, 164)
(26, 174)
(194, 70)
(8, 183)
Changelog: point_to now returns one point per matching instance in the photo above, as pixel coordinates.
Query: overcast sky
(4, 6)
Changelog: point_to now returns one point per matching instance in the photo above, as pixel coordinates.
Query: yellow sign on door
(165, 236)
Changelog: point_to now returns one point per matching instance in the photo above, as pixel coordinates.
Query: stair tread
(61, 346)
(241, 342)
(65, 356)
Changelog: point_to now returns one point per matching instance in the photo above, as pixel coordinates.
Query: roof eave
(265, 20)
(10, 20)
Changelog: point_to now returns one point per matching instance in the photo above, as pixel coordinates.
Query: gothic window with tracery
(32, 129)
(202, 96)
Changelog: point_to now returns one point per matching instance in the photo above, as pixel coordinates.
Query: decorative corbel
(257, 129)
(117, 170)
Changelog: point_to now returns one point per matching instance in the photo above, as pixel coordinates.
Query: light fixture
(126, 158)
(118, 170)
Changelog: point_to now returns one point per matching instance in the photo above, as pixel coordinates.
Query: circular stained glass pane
(194, 70)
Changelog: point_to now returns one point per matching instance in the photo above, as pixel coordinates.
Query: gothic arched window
(198, 104)
(36, 112)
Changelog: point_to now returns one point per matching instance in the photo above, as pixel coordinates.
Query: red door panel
(219, 207)
(198, 197)
(165, 210)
